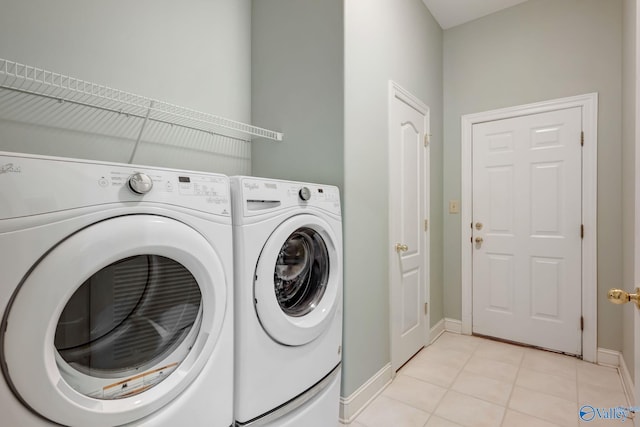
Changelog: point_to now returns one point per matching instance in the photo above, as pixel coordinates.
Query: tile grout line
(538, 391)
(447, 389)
(462, 369)
(513, 387)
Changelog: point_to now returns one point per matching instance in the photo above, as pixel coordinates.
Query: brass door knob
(401, 248)
(479, 240)
(618, 296)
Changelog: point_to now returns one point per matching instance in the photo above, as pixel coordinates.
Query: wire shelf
(37, 81)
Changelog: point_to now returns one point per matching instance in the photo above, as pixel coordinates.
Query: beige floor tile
(473, 382)
(445, 356)
(469, 411)
(482, 387)
(415, 392)
(549, 408)
(517, 419)
(601, 376)
(385, 412)
(589, 394)
(546, 383)
(550, 363)
(436, 421)
(492, 368)
(466, 343)
(606, 423)
(431, 372)
(500, 352)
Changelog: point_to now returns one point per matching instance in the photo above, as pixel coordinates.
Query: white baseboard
(627, 381)
(453, 325)
(608, 357)
(352, 405)
(614, 359)
(437, 330)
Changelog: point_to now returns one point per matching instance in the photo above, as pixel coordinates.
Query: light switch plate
(454, 206)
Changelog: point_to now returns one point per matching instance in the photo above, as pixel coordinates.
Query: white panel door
(408, 199)
(527, 248)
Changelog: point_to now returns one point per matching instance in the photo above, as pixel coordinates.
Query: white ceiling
(450, 13)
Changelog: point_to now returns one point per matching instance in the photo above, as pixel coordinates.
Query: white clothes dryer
(116, 295)
(288, 295)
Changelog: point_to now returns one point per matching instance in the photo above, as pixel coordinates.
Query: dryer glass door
(125, 319)
(115, 321)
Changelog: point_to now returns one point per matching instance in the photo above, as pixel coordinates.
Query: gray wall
(297, 88)
(629, 125)
(194, 53)
(539, 50)
(320, 75)
(384, 40)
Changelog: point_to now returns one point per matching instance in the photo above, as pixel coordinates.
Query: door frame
(396, 91)
(589, 104)
(635, 388)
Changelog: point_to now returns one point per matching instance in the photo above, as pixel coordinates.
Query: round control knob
(304, 193)
(140, 183)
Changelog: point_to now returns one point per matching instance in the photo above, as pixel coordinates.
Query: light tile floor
(468, 381)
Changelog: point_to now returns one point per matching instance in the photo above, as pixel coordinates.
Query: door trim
(396, 91)
(589, 104)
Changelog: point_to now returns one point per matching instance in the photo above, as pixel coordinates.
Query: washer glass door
(302, 272)
(115, 321)
(298, 281)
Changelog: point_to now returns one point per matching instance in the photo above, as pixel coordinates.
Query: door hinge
(582, 323)
(582, 139)
(426, 225)
(426, 139)
(582, 231)
(426, 308)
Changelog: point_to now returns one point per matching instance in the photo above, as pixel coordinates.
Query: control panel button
(140, 183)
(305, 193)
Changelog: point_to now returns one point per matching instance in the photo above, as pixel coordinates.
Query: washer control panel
(258, 195)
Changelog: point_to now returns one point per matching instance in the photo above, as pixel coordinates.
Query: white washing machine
(288, 295)
(116, 295)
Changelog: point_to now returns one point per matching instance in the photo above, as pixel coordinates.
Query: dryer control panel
(47, 184)
(260, 195)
